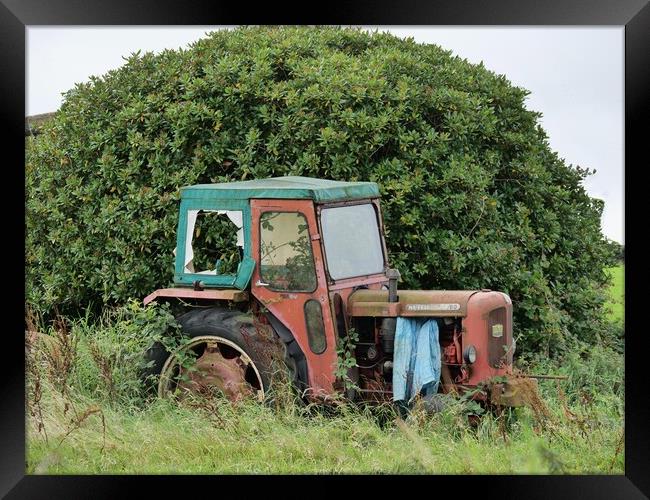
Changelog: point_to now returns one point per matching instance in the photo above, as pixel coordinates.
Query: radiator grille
(499, 338)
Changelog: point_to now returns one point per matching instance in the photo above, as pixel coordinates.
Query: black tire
(260, 344)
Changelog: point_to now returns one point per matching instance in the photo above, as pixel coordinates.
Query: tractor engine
(474, 333)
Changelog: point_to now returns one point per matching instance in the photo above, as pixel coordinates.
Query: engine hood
(438, 303)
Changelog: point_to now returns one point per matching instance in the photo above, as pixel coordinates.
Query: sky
(575, 76)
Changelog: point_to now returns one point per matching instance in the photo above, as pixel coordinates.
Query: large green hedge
(473, 196)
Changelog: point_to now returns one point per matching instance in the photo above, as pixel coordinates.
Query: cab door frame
(289, 306)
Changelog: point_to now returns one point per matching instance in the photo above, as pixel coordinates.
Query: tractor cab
(310, 256)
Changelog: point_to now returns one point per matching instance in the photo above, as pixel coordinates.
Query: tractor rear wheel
(225, 352)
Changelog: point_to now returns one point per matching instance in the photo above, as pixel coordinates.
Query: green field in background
(616, 303)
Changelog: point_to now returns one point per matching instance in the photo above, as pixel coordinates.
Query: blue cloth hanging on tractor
(416, 361)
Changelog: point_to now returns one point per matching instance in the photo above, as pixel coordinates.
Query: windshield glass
(352, 241)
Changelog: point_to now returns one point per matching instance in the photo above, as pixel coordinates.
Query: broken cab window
(214, 242)
(286, 259)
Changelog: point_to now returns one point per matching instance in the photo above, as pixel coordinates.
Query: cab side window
(286, 259)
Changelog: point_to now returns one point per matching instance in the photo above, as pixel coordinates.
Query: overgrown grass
(164, 438)
(90, 414)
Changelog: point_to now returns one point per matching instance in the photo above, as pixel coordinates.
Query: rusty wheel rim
(219, 366)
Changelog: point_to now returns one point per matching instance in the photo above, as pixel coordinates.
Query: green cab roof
(290, 187)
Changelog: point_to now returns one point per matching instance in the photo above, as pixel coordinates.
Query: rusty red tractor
(308, 266)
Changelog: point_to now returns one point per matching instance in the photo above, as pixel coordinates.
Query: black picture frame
(634, 15)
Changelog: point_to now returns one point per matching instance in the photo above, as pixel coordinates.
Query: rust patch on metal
(377, 309)
(362, 281)
(412, 303)
(188, 293)
(515, 391)
(222, 366)
(211, 369)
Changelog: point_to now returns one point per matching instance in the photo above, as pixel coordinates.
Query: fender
(189, 293)
(293, 349)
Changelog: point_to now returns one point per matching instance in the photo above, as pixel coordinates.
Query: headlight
(469, 355)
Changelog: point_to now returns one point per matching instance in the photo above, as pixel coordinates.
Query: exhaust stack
(389, 325)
